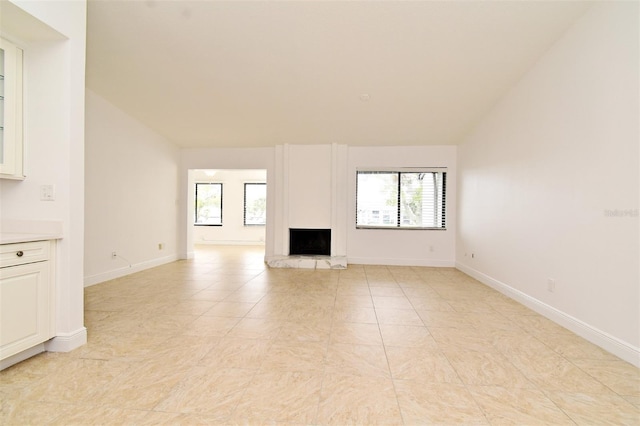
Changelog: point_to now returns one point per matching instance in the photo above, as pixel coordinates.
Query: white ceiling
(238, 73)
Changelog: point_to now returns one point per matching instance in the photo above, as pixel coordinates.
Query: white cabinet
(11, 138)
(26, 296)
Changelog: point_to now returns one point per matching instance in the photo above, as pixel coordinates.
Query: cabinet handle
(20, 253)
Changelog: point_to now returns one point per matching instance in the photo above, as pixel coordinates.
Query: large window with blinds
(412, 198)
(255, 204)
(208, 204)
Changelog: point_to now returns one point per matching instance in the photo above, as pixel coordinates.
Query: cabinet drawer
(21, 253)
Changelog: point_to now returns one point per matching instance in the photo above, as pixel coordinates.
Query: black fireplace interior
(310, 242)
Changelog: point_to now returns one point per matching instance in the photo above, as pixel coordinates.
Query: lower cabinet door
(24, 307)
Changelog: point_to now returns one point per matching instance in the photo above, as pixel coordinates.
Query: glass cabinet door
(11, 144)
(1, 106)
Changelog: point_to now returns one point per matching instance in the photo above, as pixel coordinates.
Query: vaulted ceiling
(244, 73)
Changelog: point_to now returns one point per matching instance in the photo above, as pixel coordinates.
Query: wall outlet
(473, 255)
(47, 192)
(114, 255)
(551, 285)
(160, 246)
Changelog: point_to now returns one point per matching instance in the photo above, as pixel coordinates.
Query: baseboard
(21, 356)
(401, 262)
(228, 243)
(128, 270)
(598, 337)
(66, 342)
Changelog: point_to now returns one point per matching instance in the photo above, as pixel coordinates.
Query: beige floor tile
(14, 411)
(211, 326)
(78, 380)
(539, 325)
(230, 309)
(295, 356)
(490, 321)
(358, 360)
(122, 346)
(354, 400)
(280, 397)
(211, 295)
(437, 403)
(511, 406)
(351, 313)
(435, 303)
(232, 352)
(310, 331)
(164, 324)
(486, 368)
(256, 328)
(445, 319)
(391, 302)
(214, 391)
(360, 289)
(621, 377)
(356, 333)
(574, 347)
(420, 365)
(451, 338)
(221, 339)
(95, 415)
(182, 350)
(596, 409)
(30, 371)
(353, 300)
(143, 385)
(386, 291)
(407, 336)
(555, 373)
(398, 316)
(189, 307)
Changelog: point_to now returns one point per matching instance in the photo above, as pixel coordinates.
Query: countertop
(24, 237)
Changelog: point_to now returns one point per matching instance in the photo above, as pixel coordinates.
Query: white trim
(21, 356)
(598, 337)
(66, 342)
(127, 270)
(229, 243)
(401, 262)
(402, 169)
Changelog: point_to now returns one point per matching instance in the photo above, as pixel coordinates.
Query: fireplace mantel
(310, 192)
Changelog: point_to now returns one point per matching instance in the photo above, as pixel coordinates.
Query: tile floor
(223, 340)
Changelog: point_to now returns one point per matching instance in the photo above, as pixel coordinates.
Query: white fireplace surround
(310, 193)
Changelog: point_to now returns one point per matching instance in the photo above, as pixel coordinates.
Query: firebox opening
(310, 242)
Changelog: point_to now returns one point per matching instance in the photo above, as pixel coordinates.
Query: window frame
(244, 204)
(195, 213)
(407, 170)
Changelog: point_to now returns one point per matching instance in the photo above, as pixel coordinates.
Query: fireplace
(310, 242)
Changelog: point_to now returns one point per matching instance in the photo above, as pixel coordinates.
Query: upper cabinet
(11, 140)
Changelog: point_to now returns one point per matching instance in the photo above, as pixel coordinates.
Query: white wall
(402, 247)
(539, 174)
(53, 35)
(131, 202)
(233, 230)
(309, 186)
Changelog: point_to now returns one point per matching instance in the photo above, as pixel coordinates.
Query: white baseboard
(66, 342)
(21, 356)
(228, 243)
(401, 262)
(127, 270)
(598, 337)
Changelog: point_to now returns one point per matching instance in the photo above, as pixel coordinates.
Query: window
(406, 198)
(255, 204)
(208, 204)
